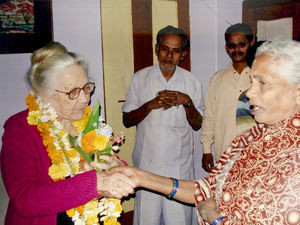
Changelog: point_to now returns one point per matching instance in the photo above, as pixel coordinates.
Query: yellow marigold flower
(92, 219)
(51, 147)
(100, 142)
(116, 201)
(75, 168)
(58, 171)
(39, 127)
(44, 128)
(33, 117)
(87, 141)
(31, 103)
(111, 221)
(47, 139)
(56, 156)
(80, 209)
(70, 212)
(61, 134)
(81, 124)
(71, 153)
(118, 208)
(91, 204)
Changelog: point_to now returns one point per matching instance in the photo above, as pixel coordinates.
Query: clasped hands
(110, 184)
(166, 99)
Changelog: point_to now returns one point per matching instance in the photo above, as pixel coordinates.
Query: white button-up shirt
(164, 139)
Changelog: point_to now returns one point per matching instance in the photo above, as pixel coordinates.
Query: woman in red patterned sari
(257, 179)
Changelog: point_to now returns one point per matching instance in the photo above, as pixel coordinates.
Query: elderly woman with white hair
(257, 179)
(44, 176)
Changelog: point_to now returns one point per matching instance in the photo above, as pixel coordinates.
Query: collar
(231, 68)
(158, 73)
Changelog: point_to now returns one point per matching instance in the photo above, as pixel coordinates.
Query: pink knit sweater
(34, 198)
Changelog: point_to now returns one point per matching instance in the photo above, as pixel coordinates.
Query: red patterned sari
(257, 179)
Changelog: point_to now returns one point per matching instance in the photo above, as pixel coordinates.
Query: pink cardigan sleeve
(24, 166)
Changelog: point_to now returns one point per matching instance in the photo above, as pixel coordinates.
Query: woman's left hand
(208, 210)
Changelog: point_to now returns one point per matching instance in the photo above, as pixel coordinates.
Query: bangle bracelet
(175, 187)
(218, 220)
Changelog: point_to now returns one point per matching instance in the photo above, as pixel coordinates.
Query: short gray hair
(288, 52)
(47, 62)
(173, 31)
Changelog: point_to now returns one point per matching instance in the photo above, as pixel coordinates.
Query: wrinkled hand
(130, 172)
(166, 99)
(207, 162)
(114, 185)
(208, 210)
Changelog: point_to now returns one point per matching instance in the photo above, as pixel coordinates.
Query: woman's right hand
(114, 184)
(135, 174)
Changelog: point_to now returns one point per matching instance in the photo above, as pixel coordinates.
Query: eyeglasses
(240, 45)
(74, 93)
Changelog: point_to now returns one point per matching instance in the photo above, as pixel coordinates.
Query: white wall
(76, 24)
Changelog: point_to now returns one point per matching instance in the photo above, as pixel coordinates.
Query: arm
(25, 165)
(163, 185)
(176, 98)
(136, 116)
(133, 111)
(208, 128)
(193, 116)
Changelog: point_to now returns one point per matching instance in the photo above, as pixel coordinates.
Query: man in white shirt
(227, 111)
(163, 101)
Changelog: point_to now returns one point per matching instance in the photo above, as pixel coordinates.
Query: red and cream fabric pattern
(257, 179)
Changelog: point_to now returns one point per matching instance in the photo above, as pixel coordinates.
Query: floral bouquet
(96, 139)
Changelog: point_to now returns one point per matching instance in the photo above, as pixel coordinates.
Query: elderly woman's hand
(115, 185)
(133, 173)
(208, 210)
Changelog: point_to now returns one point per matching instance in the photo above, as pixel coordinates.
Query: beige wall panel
(164, 12)
(118, 69)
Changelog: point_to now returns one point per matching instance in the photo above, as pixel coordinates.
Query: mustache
(237, 53)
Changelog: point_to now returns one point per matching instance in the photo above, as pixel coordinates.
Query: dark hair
(175, 31)
(239, 28)
(251, 52)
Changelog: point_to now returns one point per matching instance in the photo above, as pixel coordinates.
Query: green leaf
(94, 119)
(87, 156)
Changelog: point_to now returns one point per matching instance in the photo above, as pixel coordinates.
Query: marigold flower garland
(65, 159)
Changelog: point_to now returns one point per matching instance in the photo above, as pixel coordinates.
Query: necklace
(65, 161)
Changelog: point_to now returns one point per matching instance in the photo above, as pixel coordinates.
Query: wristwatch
(188, 105)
